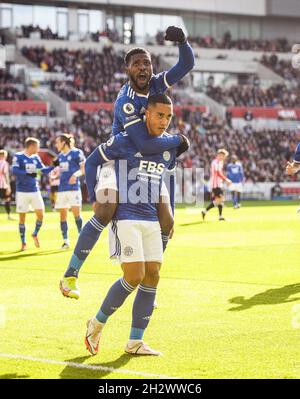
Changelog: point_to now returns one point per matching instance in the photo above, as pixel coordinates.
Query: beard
(137, 84)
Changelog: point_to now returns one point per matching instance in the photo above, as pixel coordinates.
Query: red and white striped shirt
(216, 174)
(4, 169)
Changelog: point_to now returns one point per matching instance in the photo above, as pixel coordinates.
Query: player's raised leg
(104, 209)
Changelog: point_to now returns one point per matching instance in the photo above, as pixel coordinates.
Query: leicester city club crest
(166, 156)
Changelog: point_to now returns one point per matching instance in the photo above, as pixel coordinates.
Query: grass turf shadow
(21, 254)
(71, 372)
(273, 296)
(10, 376)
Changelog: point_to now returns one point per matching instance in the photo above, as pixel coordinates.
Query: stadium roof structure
(259, 8)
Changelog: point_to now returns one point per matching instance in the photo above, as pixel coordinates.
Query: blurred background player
(293, 167)
(5, 189)
(25, 167)
(235, 173)
(136, 226)
(54, 183)
(217, 178)
(71, 163)
(129, 110)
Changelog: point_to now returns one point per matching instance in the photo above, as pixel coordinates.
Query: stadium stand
(227, 42)
(263, 153)
(255, 96)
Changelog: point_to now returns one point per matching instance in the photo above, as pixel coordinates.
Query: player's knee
(136, 279)
(105, 212)
(152, 277)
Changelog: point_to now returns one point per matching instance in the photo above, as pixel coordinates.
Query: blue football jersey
(131, 106)
(23, 164)
(69, 163)
(297, 154)
(139, 177)
(235, 172)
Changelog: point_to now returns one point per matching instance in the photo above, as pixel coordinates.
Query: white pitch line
(83, 366)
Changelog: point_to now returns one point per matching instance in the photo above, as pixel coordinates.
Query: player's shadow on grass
(192, 223)
(71, 372)
(13, 255)
(13, 376)
(273, 296)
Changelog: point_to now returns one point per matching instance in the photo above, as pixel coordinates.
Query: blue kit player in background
(128, 115)
(25, 166)
(235, 173)
(135, 224)
(71, 163)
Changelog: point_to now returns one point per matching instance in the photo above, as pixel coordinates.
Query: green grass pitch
(226, 300)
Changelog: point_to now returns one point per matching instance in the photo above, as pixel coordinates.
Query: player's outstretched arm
(186, 59)
(138, 132)
(147, 144)
(47, 169)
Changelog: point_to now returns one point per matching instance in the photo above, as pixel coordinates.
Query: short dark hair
(31, 140)
(159, 99)
(134, 51)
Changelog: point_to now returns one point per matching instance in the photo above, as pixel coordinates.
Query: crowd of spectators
(111, 34)
(262, 153)
(10, 90)
(227, 42)
(278, 95)
(90, 76)
(28, 30)
(281, 67)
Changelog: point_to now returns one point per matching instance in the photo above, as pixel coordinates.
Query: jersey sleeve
(16, 161)
(16, 166)
(160, 82)
(81, 157)
(126, 111)
(184, 65)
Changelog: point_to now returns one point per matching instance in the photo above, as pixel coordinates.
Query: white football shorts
(26, 202)
(236, 187)
(135, 241)
(68, 199)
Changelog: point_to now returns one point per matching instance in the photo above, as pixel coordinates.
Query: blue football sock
(165, 239)
(115, 298)
(88, 237)
(22, 230)
(142, 310)
(78, 222)
(38, 225)
(64, 229)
